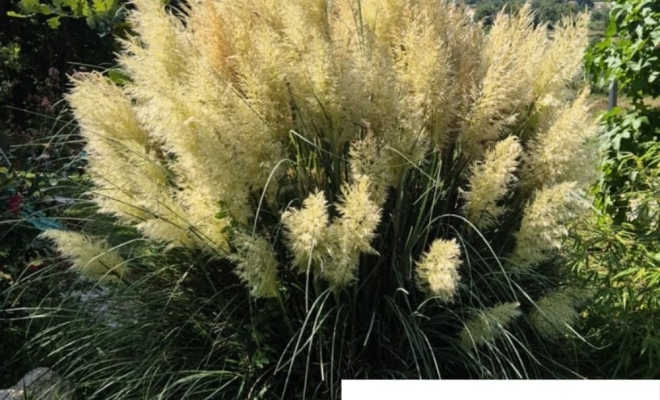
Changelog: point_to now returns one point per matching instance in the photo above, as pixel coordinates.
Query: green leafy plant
(325, 190)
(619, 252)
(102, 15)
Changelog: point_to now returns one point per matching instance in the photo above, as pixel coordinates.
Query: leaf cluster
(618, 252)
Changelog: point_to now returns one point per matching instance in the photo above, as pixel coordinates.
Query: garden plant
(617, 253)
(291, 193)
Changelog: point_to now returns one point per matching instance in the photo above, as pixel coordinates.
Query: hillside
(547, 11)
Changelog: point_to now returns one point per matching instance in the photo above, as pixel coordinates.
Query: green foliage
(102, 15)
(630, 51)
(618, 256)
(619, 253)
(34, 63)
(629, 55)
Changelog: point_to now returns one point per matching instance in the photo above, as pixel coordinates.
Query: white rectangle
(501, 390)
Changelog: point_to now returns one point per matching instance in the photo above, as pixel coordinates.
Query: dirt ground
(600, 102)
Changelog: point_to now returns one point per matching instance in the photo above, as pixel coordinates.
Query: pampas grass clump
(340, 188)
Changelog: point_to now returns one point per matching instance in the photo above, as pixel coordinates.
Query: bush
(619, 253)
(325, 191)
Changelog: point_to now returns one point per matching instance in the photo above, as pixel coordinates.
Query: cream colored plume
(350, 235)
(556, 313)
(511, 47)
(490, 180)
(563, 59)
(369, 158)
(333, 248)
(437, 270)
(256, 264)
(307, 231)
(566, 150)
(544, 224)
(90, 256)
(488, 325)
(215, 96)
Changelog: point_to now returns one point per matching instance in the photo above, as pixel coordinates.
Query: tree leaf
(117, 77)
(54, 22)
(14, 14)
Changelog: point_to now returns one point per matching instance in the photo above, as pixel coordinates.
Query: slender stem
(5, 158)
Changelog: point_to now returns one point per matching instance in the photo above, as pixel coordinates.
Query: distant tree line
(549, 11)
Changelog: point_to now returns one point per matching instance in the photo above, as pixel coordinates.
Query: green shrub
(293, 193)
(618, 255)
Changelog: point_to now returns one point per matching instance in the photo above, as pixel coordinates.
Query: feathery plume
(368, 158)
(423, 70)
(359, 215)
(562, 60)
(557, 312)
(490, 181)
(351, 234)
(103, 111)
(340, 261)
(90, 256)
(256, 264)
(116, 143)
(544, 224)
(488, 325)
(437, 271)
(307, 230)
(162, 43)
(511, 46)
(566, 151)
